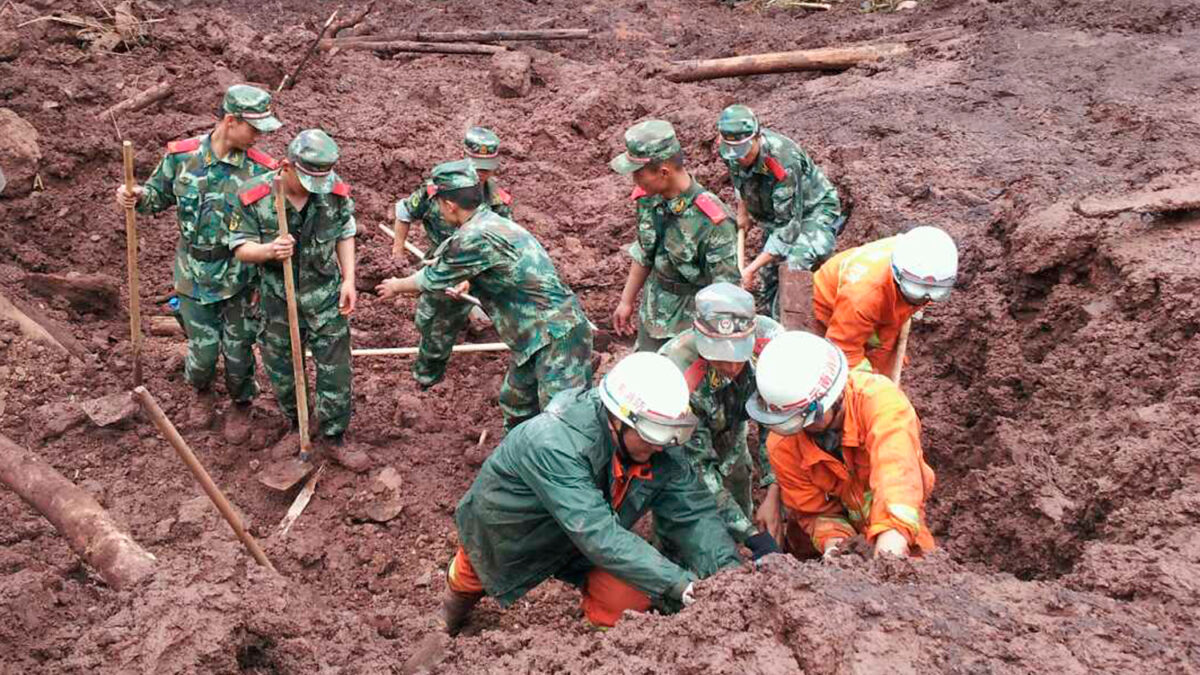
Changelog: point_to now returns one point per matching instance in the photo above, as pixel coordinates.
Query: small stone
(10, 45)
(94, 238)
(907, 4)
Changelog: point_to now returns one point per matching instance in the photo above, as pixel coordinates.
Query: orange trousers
(605, 597)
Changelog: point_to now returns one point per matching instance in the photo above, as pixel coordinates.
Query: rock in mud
(98, 294)
(19, 153)
(511, 74)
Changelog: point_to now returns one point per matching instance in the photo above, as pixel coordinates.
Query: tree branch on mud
(829, 58)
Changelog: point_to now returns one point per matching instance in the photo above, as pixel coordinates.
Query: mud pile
(1057, 389)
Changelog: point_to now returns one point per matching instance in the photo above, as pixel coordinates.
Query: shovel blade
(285, 474)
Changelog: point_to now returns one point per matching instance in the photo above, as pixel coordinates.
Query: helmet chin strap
(622, 450)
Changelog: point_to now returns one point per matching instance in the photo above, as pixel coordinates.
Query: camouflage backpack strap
(263, 159)
(183, 145)
(710, 207)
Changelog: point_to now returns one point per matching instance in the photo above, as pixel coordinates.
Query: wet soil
(1057, 388)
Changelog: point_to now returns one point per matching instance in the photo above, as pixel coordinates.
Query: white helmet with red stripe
(799, 377)
(648, 392)
(925, 264)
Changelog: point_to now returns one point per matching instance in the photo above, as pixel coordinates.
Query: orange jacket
(884, 481)
(856, 299)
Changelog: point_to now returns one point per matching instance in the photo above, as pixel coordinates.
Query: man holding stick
(321, 214)
(201, 177)
(536, 315)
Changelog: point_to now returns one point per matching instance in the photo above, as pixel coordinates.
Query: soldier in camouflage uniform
(321, 230)
(201, 177)
(785, 192)
(537, 316)
(685, 237)
(437, 316)
(718, 357)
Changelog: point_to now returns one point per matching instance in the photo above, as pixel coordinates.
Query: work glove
(687, 598)
(761, 544)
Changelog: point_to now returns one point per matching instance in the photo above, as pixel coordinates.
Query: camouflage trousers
(225, 327)
(440, 319)
(328, 337)
(732, 488)
(815, 245)
(646, 343)
(565, 363)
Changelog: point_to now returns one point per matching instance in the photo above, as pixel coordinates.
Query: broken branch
(392, 46)
(289, 81)
(143, 99)
(830, 58)
(466, 36)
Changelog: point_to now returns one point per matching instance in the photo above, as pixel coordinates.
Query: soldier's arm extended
(158, 192)
(412, 207)
(701, 455)
(807, 238)
(463, 257)
(686, 515)
(563, 484)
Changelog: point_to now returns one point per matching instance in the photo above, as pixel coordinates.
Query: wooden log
(411, 351)
(142, 99)
(392, 46)
(465, 36)
(165, 326)
(351, 21)
(89, 530)
(830, 58)
(29, 327)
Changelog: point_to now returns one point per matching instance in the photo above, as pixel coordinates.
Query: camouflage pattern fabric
(227, 327)
(421, 206)
(718, 450)
(795, 204)
(532, 309)
(440, 319)
(325, 220)
(686, 250)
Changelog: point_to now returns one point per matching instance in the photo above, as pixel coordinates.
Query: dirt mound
(1057, 387)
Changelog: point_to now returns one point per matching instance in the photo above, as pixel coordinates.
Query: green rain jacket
(541, 507)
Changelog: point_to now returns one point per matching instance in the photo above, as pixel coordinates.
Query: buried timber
(1056, 387)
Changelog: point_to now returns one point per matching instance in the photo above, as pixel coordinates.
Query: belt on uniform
(208, 254)
(676, 287)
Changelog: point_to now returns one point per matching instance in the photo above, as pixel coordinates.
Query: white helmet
(647, 391)
(800, 376)
(925, 264)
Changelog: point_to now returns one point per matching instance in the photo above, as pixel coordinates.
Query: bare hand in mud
(768, 517)
(891, 542)
(748, 278)
(389, 288)
(832, 550)
(282, 247)
(125, 200)
(457, 291)
(622, 319)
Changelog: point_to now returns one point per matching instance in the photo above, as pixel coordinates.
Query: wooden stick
(831, 58)
(301, 502)
(290, 80)
(466, 36)
(89, 530)
(143, 99)
(351, 21)
(901, 350)
(741, 250)
(420, 255)
(289, 287)
(427, 47)
(156, 415)
(411, 351)
(131, 262)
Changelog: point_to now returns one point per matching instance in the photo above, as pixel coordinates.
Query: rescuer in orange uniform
(863, 296)
(845, 446)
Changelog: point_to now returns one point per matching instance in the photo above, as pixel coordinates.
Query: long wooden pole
(422, 47)
(901, 350)
(410, 351)
(465, 36)
(830, 58)
(167, 429)
(741, 249)
(289, 286)
(131, 262)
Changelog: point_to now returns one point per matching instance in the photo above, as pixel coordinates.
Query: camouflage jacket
(204, 188)
(514, 278)
(317, 228)
(719, 444)
(790, 197)
(421, 206)
(689, 242)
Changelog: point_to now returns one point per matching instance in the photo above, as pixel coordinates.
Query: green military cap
(738, 126)
(251, 104)
(455, 175)
(314, 153)
(724, 323)
(652, 140)
(483, 147)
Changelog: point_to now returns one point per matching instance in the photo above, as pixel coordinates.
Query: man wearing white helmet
(845, 446)
(863, 296)
(560, 495)
(717, 357)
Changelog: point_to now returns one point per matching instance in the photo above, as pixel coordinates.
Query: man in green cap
(786, 193)
(685, 237)
(497, 260)
(201, 177)
(321, 227)
(718, 356)
(439, 317)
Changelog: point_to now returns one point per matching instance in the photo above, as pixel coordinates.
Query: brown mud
(1057, 388)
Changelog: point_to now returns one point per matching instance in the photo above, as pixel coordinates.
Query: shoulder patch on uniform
(759, 345)
(503, 196)
(776, 168)
(341, 189)
(431, 189)
(710, 207)
(259, 157)
(251, 195)
(184, 145)
(695, 373)
(637, 193)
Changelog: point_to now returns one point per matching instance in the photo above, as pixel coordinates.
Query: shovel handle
(289, 287)
(131, 260)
